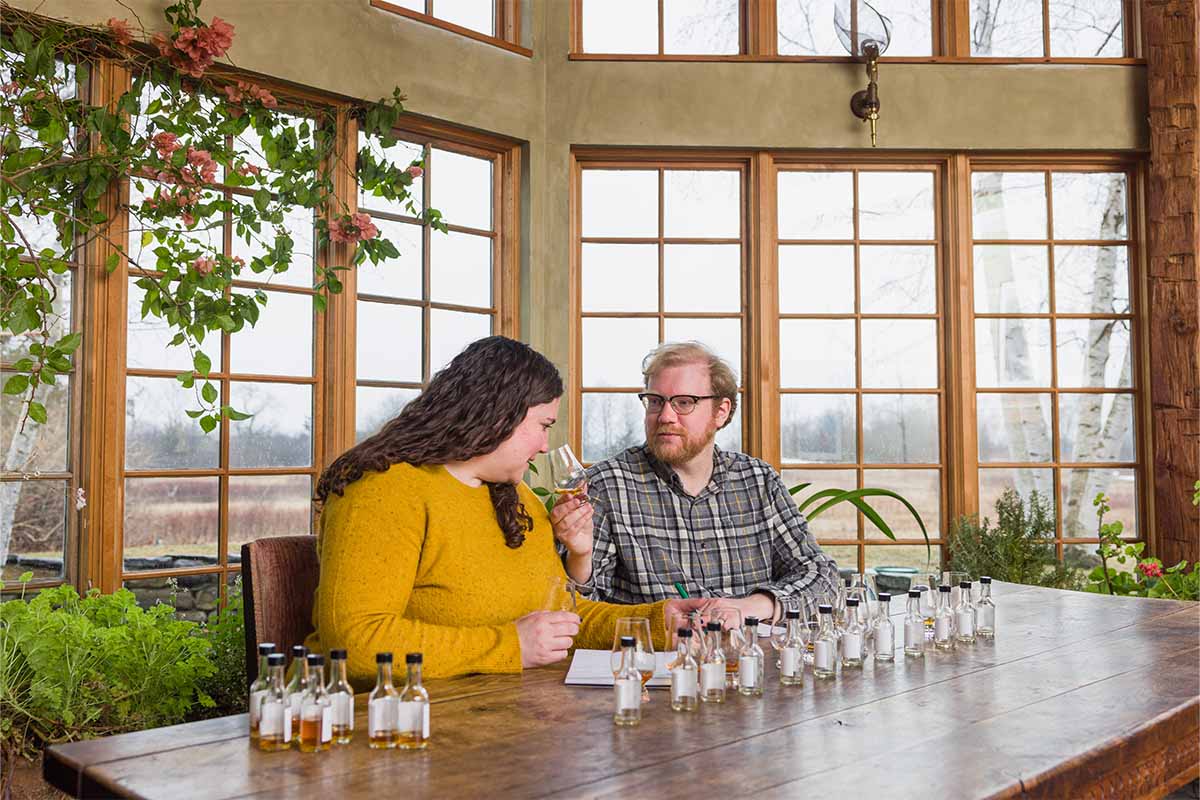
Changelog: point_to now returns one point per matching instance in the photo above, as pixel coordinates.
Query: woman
(431, 542)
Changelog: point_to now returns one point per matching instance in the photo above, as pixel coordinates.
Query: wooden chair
(279, 580)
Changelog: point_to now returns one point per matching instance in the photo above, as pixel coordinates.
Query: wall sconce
(866, 34)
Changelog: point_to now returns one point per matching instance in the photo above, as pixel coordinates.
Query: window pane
(1006, 28)
(1086, 30)
(39, 525)
(816, 279)
(620, 277)
(1014, 427)
(1096, 427)
(702, 277)
(478, 15)
(267, 505)
(14, 348)
(816, 353)
(816, 205)
(840, 521)
(613, 350)
(702, 203)
(1011, 279)
(1012, 352)
(200, 236)
(280, 432)
(461, 269)
(701, 27)
(158, 432)
(899, 353)
(28, 446)
(911, 26)
(281, 342)
(176, 516)
(1089, 205)
(806, 28)
(900, 428)
(818, 428)
(917, 556)
(1091, 280)
(399, 277)
(895, 205)
(611, 423)
(401, 154)
(1093, 352)
(297, 224)
(374, 406)
(451, 331)
(1026, 480)
(1080, 486)
(898, 279)
(389, 342)
(620, 26)
(620, 203)
(730, 437)
(1008, 205)
(194, 597)
(921, 487)
(461, 188)
(722, 336)
(147, 339)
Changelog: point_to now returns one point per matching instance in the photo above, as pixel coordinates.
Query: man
(678, 509)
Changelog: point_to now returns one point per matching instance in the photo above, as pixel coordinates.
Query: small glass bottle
(791, 652)
(341, 695)
(627, 686)
(826, 645)
(853, 637)
(297, 685)
(885, 630)
(712, 667)
(943, 621)
(986, 608)
(381, 706)
(914, 626)
(964, 614)
(316, 711)
(275, 715)
(750, 661)
(839, 603)
(685, 686)
(260, 686)
(412, 715)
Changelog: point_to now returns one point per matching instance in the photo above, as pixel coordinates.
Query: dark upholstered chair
(279, 579)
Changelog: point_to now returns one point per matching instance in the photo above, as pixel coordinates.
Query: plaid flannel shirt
(742, 534)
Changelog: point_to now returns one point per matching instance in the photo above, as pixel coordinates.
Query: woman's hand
(546, 636)
(572, 521)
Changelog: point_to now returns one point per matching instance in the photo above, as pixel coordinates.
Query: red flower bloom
(1150, 569)
(120, 30)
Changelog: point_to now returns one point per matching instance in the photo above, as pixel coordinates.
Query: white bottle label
(629, 694)
(914, 634)
(789, 661)
(256, 705)
(287, 725)
(425, 721)
(941, 628)
(683, 683)
(748, 672)
(823, 655)
(326, 724)
(270, 721)
(381, 715)
(987, 618)
(966, 623)
(294, 700)
(411, 717)
(852, 645)
(343, 710)
(712, 676)
(885, 639)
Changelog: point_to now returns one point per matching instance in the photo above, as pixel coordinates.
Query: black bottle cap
(985, 579)
(338, 654)
(684, 633)
(299, 651)
(413, 658)
(849, 582)
(943, 588)
(383, 658)
(851, 602)
(914, 592)
(752, 620)
(964, 585)
(825, 609)
(712, 626)
(276, 659)
(628, 641)
(315, 660)
(884, 597)
(266, 648)
(792, 613)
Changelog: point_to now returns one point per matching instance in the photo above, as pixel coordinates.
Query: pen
(682, 592)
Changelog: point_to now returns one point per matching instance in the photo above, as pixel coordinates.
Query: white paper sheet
(591, 668)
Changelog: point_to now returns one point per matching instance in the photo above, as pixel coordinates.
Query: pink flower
(1150, 569)
(120, 30)
(163, 44)
(203, 166)
(238, 261)
(219, 36)
(204, 266)
(188, 219)
(354, 228)
(234, 93)
(246, 170)
(166, 144)
(415, 171)
(194, 48)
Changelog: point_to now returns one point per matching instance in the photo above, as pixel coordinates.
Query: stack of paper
(592, 668)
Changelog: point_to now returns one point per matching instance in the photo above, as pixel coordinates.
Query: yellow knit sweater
(412, 560)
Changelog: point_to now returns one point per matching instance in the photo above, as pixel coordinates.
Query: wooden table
(1080, 695)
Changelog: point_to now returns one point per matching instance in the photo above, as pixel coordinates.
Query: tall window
(416, 314)
(661, 259)
(670, 27)
(1054, 28)
(477, 15)
(192, 499)
(1053, 342)
(496, 22)
(859, 377)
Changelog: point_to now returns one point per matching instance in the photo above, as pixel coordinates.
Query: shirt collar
(668, 475)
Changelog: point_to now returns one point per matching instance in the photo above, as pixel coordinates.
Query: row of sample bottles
(300, 708)
(847, 643)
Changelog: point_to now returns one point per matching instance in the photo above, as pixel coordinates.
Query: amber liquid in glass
(646, 676)
(310, 736)
(411, 740)
(342, 734)
(383, 740)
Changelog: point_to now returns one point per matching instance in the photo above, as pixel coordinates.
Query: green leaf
(209, 393)
(262, 200)
(202, 364)
(70, 342)
(799, 487)
(37, 412)
(815, 496)
(186, 379)
(16, 384)
(111, 263)
(208, 424)
(147, 237)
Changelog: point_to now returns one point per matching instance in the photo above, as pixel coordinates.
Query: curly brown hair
(468, 410)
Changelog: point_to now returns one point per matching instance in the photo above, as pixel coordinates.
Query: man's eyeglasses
(682, 403)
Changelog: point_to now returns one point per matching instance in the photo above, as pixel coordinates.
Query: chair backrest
(279, 581)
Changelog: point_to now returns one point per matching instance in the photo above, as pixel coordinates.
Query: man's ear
(722, 412)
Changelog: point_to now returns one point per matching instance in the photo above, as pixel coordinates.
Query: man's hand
(675, 612)
(759, 605)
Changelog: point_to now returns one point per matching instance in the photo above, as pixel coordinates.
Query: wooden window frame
(507, 23)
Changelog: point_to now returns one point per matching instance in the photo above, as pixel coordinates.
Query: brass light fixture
(866, 34)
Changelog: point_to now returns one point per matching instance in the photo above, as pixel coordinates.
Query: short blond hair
(676, 354)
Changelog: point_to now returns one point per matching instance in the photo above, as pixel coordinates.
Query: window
(416, 314)
(670, 27)
(1053, 28)
(823, 28)
(496, 22)
(1053, 342)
